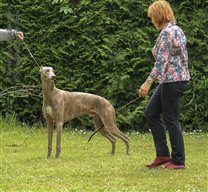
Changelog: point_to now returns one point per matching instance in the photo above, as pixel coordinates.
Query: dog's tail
(95, 133)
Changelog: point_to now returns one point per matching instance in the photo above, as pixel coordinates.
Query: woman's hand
(144, 89)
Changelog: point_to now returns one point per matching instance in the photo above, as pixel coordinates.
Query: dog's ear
(40, 69)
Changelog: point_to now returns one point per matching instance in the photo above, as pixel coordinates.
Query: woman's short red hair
(161, 12)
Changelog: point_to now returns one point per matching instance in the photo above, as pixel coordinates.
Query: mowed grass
(84, 166)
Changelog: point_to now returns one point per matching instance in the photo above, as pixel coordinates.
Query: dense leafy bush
(101, 47)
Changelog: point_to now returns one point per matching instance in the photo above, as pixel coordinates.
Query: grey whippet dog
(60, 106)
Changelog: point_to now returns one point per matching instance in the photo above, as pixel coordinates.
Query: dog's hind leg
(110, 137)
(116, 132)
(109, 122)
(50, 126)
(98, 123)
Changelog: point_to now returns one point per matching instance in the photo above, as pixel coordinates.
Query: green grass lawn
(84, 166)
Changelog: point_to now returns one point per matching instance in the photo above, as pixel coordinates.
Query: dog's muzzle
(53, 77)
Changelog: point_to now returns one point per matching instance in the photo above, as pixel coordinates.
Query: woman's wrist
(149, 80)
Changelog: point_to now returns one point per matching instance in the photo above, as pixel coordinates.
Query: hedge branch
(18, 90)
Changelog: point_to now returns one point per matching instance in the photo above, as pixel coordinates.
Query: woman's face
(154, 22)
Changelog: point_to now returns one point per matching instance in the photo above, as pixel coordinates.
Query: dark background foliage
(102, 47)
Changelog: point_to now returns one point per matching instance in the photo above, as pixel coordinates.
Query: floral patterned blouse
(171, 56)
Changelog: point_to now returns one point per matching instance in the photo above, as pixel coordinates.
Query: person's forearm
(149, 80)
(6, 35)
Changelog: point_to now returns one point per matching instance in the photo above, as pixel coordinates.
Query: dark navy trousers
(162, 113)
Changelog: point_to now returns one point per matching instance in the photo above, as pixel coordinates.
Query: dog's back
(79, 104)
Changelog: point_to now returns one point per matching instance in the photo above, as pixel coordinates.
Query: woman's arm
(162, 60)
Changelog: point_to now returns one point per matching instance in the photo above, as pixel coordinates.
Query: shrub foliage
(102, 47)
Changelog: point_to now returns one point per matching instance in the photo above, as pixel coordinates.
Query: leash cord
(39, 66)
(128, 103)
(30, 53)
(101, 126)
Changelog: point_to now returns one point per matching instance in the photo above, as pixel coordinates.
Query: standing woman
(6, 35)
(171, 70)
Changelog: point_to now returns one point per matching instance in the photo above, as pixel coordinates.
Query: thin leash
(116, 110)
(39, 66)
(128, 103)
(30, 53)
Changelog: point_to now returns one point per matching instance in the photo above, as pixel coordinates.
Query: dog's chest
(48, 111)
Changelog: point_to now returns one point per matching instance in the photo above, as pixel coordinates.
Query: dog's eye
(47, 70)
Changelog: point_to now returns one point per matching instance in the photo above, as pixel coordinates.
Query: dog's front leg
(50, 126)
(58, 138)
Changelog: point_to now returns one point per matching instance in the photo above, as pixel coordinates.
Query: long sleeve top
(6, 35)
(170, 53)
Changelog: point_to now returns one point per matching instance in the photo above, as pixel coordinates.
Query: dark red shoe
(159, 161)
(171, 165)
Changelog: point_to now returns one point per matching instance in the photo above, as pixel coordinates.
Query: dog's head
(47, 73)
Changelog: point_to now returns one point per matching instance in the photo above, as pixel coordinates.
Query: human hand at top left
(19, 35)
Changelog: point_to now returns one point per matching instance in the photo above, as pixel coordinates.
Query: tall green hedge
(102, 47)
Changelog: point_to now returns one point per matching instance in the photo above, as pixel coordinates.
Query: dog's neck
(47, 87)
